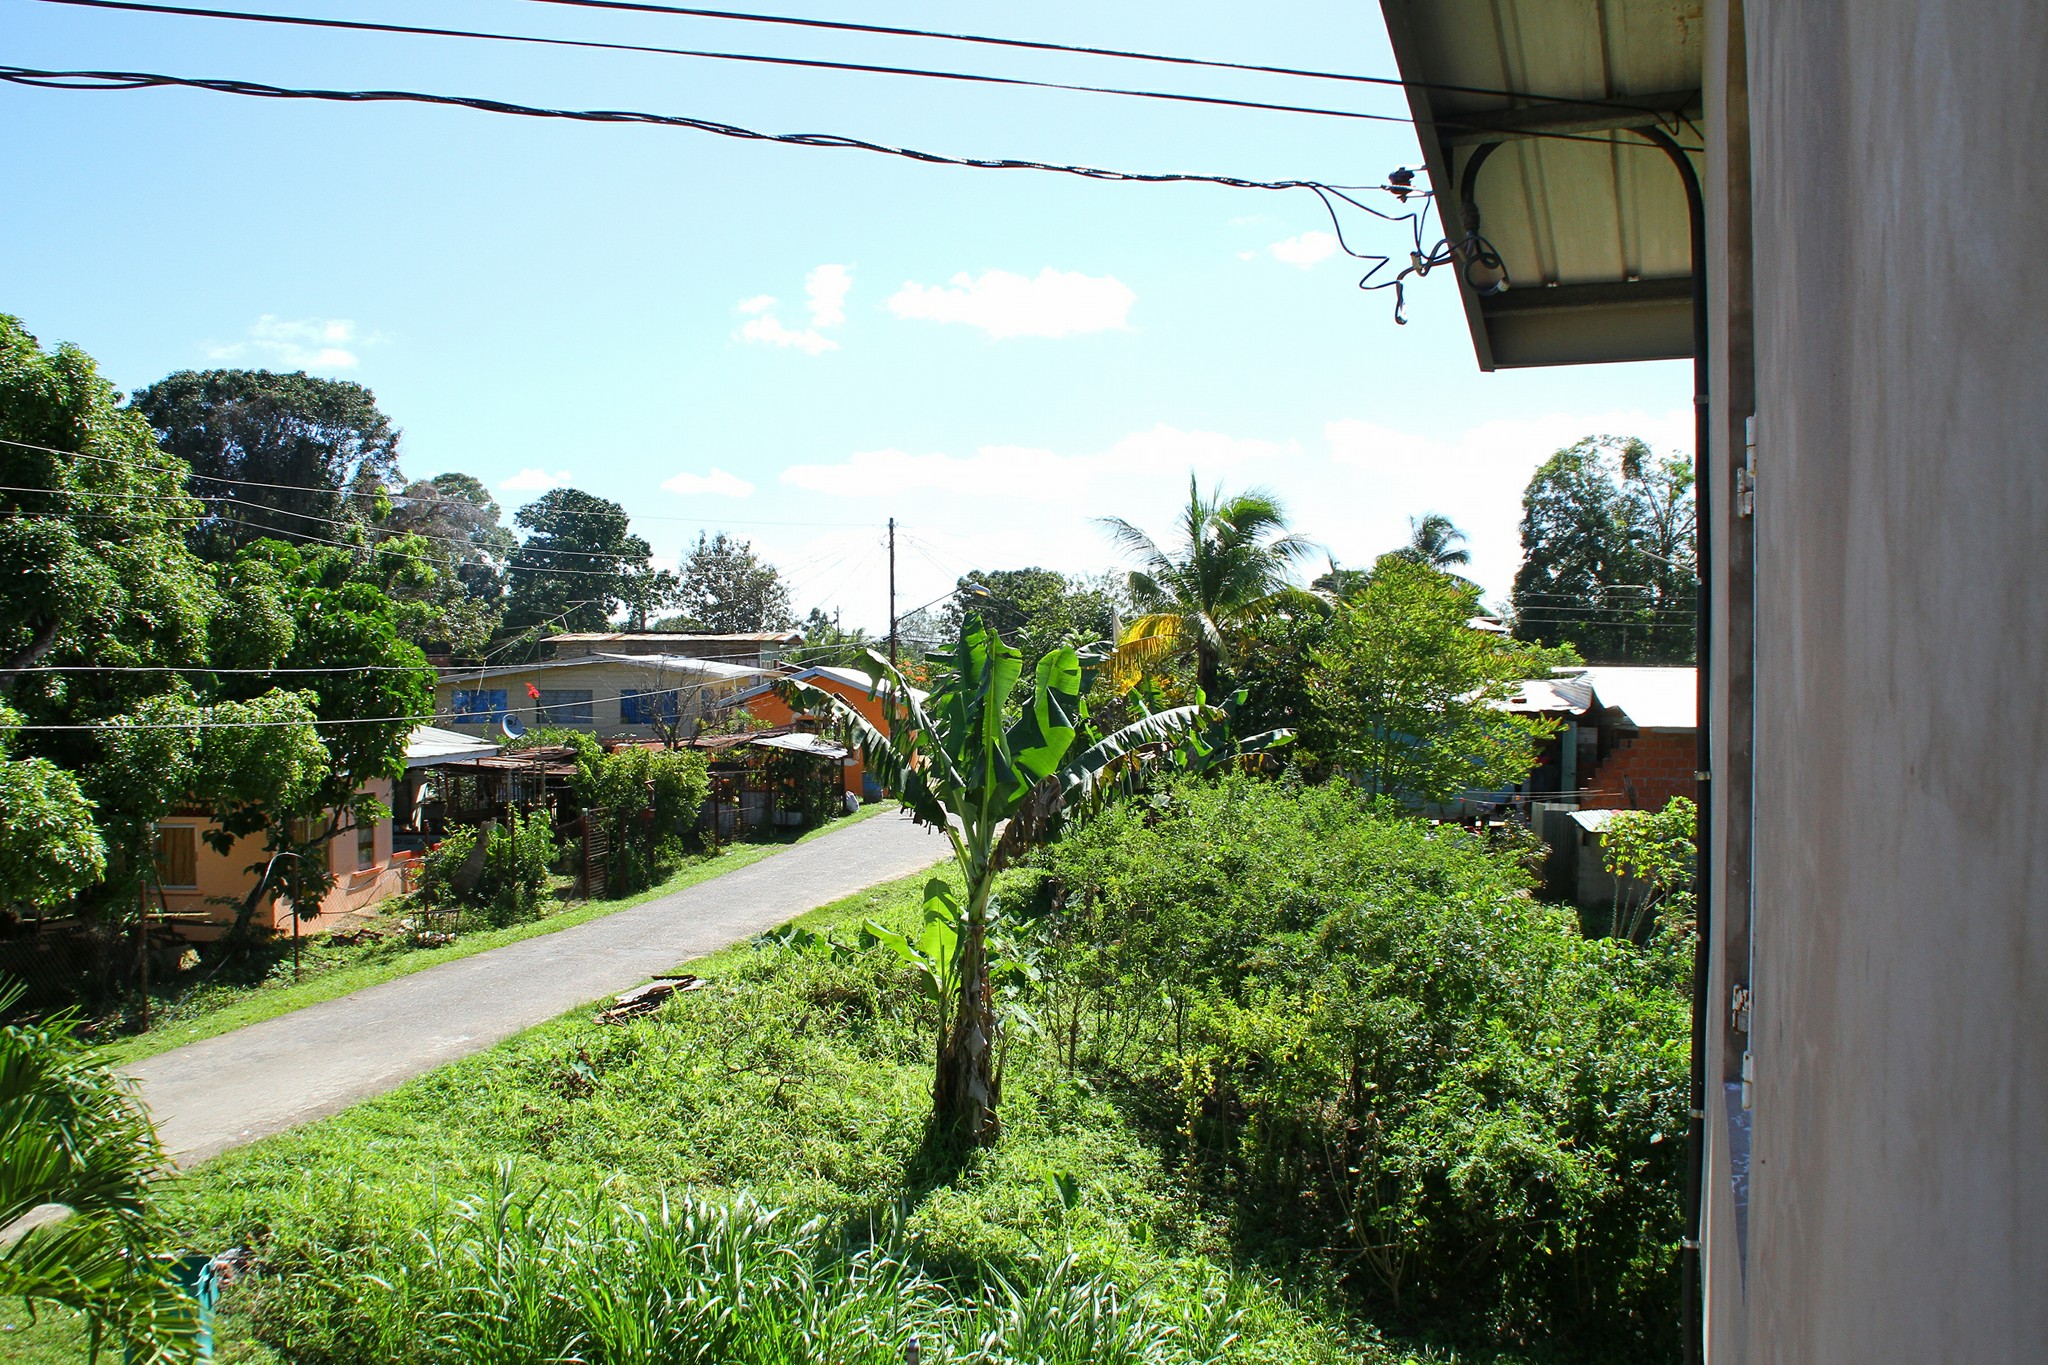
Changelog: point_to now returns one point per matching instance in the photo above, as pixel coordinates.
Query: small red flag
(533, 692)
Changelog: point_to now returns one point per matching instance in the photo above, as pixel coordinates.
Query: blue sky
(786, 343)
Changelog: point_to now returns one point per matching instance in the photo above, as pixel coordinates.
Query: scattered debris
(646, 999)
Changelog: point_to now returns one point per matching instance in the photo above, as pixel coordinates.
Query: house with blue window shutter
(605, 695)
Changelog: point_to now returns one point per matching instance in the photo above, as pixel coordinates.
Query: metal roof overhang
(1587, 215)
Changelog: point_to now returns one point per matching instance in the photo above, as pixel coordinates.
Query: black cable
(362, 26)
(1080, 50)
(40, 79)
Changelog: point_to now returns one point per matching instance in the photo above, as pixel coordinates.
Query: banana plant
(995, 786)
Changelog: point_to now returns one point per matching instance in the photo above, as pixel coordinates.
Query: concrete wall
(220, 877)
(606, 680)
(1899, 938)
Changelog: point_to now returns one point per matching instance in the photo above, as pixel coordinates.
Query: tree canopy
(1608, 558)
(452, 523)
(276, 455)
(727, 589)
(1233, 561)
(1402, 686)
(579, 564)
(111, 636)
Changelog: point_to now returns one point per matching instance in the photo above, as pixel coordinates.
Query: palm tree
(77, 1225)
(1235, 561)
(1434, 542)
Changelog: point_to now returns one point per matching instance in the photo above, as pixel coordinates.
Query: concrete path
(259, 1080)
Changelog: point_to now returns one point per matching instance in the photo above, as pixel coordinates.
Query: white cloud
(769, 331)
(717, 483)
(535, 481)
(1305, 250)
(1024, 472)
(297, 343)
(1057, 303)
(827, 287)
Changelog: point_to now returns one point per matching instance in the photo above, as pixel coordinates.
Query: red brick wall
(1657, 765)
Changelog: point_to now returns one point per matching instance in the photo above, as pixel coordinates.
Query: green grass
(800, 1079)
(331, 970)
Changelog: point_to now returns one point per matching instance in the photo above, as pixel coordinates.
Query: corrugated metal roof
(816, 745)
(1590, 220)
(1651, 698)
(605, 637)
(428, 746)
(665, 663)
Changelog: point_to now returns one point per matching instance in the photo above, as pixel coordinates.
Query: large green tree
(1607, 554)
(728, 589)
(1036, 609)
(579, 564)
(1233, 561)
(291, 457)
(1402, 687)
(142, 673)
(452, 524)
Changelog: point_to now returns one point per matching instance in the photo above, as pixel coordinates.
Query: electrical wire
(99, 81)
(864, 68)
(398, 497)
(1079, 50)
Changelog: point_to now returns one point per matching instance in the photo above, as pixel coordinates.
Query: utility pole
(892, 590)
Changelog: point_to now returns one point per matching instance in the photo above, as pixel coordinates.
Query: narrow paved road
(259, 1080)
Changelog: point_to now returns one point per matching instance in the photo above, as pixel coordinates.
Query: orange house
(849, 684)
(197, 880)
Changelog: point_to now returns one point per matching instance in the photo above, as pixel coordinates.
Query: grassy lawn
(332, 969)
(800, 1078)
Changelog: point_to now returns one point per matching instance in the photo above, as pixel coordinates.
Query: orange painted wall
(228, 875)
(771, 710)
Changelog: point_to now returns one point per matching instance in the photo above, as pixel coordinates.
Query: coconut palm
(77, 1225)
(1234, 562)
(1435, 542)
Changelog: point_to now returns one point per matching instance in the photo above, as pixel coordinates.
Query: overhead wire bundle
(1468, 247)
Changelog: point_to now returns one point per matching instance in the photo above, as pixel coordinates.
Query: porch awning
(1587, 216)
(816, 745)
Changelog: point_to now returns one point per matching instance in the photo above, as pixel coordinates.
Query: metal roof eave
(1598, 255)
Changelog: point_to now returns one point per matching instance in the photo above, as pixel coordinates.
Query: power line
(864, 68)
(398, 496)
(1077, 49)
(96, 81)
(138, 80)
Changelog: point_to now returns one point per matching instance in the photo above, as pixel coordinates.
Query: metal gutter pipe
(1691, 1335)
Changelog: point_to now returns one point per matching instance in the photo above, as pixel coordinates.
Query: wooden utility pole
(892, 590)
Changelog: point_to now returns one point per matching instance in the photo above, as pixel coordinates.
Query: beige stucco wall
(1899, 1207)
(605, 680)
(227, 876)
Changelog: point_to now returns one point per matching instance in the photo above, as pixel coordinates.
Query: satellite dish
(512, 726)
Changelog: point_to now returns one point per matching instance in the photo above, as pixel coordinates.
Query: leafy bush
(1654, 859)
(650, 801)
(1359, 1036)
(511, 881)
(799, 1079)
